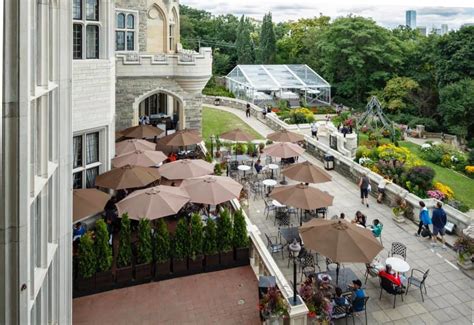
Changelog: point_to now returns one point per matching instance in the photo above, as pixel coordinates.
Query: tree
(221, 63)
(144, 251)
(267, 48)
(196, 236)
(224, 231)
(243, 44)
(240, 238)
(182, 241)
(87, 258)
(162, 242)
(399, 94)
(210, 238)
(103, 251)
(125, 245)
(457, 108)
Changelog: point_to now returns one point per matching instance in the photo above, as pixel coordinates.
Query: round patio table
(244, 168)
(273, 167)
(398, 264)
(278, 204)
(269, 183)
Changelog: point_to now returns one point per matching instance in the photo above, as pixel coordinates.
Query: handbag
(425, 232)
(369, 188)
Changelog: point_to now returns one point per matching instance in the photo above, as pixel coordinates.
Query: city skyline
(429, 13)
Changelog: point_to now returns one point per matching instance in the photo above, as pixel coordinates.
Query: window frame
(101, 155)
(84, 22)
(126, 30)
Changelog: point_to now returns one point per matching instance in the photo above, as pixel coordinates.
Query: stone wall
(352, 170)
(141, 7)
(130, 91)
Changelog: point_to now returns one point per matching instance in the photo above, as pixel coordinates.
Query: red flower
(312, 314)
(260, 307)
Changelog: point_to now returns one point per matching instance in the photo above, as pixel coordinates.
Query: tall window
(86, 154)
(172, 45)
(125, 31)
(86, 31)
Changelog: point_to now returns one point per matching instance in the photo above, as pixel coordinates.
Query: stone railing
(352, 170)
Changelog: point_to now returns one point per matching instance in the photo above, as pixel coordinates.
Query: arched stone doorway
(163, 107)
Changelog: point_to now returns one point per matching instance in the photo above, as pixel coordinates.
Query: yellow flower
(445, 189)
(470, 169)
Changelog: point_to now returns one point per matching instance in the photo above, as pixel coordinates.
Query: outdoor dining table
(244, 168)
(278, 205)
(346, 276)
(269, 183)
(398, 264)
(273, 167)
(289, 234)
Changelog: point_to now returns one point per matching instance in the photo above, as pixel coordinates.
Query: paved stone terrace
(224, 297)
(450, 298)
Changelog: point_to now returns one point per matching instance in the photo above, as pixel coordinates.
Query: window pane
(77, 41)
(92, 38)
(91, 174)
(120, 41)
(92, 10)
(130, 41)
(130, 21)
(120, 21)
(77, 9)
(92, 148)
(77, 151)
(77, 180)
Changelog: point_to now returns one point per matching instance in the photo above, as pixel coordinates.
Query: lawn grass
(462, 186)
(216, 122)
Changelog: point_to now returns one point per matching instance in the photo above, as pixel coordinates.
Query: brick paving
(450, 298)
(224, 297)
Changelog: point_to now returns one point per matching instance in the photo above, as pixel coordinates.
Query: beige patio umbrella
(302, 196)
(182, 138)
(306, 172)
(131, 145)
(127, 177)
(142, 158)
(186, 168)
(118, 135)
(87, 202)
(285, 136)
(237, 135)
(153, 203)
(284, 150)
(212, 190)
(341, 241)
(142, 131)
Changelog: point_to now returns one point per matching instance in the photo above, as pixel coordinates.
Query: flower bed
(447, 156)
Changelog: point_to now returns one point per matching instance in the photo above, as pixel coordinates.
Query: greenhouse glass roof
(276, 77)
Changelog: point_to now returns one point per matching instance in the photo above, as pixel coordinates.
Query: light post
(295, 249)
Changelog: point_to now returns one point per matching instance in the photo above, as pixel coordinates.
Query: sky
(386, 13)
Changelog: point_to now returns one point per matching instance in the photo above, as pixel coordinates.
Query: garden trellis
(374, 115)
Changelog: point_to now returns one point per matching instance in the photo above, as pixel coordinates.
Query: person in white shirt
(314, 130)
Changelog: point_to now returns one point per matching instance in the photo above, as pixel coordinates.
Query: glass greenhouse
(268, 84)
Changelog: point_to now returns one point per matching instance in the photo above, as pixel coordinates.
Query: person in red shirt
(388, 274)
(172, 157)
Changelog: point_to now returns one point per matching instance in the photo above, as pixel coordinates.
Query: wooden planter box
(196, 266)
(124, 276)
(143, 272)
(84, 286)
(180, 267)
(104, 281)
(242, 256)
(162, 270)
(227, 259)
(212, 262)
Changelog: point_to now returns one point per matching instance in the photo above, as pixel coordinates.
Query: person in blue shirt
(357, 304)
(377, 228)
(439, 220)
(339, 300)
(78, 231)
(258, 166)
(425, 220)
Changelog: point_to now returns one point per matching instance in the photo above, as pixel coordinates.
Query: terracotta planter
(180, 266)
(162, 270)
(104, 281)
(143, 272)
(212, 262)
(242, 256)
(227, 259)
(196, 265)
(124, 275)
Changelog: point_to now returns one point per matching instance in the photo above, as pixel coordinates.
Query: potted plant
(144, 258)
(217, 169)
(224, 238)
(162, 251)
(240, 239)
(464, 246)
(86, 265)
(399, 210)
(251, 151)
(195, 263)
(103, 251)
(273, 306)
(124, 270)
(210, 246)
(181, 247)
(261, 146)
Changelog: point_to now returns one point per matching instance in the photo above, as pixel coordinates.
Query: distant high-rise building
(444, 29)
(411, 18)
(467, 25)
(422, 30)
(436, 30)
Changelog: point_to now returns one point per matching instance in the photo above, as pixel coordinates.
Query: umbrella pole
(337, 273)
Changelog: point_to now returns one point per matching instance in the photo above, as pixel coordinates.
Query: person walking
(425, 219)
(364, 189)
(247, 111)
(264, 112)
(314, 130)
(439, 220)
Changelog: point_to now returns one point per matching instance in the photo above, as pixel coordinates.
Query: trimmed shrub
(125, 246)
(240, 238)
(210, 238)
(103, 250)
(196, 236)
(181, 240)
(87, 257)
(224, 232)
(162, 242)
(144, 251)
